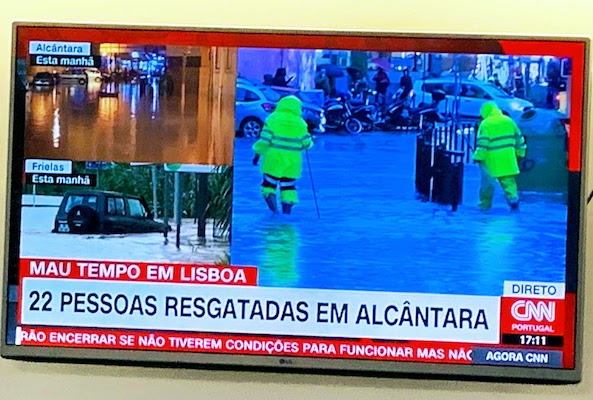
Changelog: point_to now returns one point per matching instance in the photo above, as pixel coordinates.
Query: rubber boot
(271, 202)
(514, 207)
(286, 208)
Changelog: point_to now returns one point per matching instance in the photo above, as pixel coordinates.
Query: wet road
(75, 122)
(37, 241)
(374, 235)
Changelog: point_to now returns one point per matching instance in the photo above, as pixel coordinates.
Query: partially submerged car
(105, 212)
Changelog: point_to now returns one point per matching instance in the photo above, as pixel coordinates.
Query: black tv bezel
(280, 363)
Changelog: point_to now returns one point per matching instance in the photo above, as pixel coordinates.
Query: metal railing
(461, 138)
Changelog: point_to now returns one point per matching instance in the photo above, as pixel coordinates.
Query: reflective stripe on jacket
(285, 143)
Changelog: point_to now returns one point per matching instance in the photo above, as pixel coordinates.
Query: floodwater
(76, 122)
(37, 241)
(374, 235)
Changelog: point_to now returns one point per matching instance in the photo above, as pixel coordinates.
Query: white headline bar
(260, 310)
(534, 290)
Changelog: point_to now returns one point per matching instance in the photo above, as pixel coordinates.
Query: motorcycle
(339, 114)
(397, 113)
(362, 109)
(401, 114)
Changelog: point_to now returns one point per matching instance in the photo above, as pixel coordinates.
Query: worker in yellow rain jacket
(499, 146)
(281, 144)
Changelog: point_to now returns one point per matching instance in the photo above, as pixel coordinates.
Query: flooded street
(39, 242)
(374, 235)
(77, 122)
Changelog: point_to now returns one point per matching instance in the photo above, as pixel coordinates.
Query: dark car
(105, 212)
(44, 79)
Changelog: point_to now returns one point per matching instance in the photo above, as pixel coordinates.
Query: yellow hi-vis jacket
(499, 142)
(283, 139)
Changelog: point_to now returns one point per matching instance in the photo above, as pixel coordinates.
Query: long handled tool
(312, 184)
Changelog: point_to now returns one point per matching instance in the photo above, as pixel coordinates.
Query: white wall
(20, 380)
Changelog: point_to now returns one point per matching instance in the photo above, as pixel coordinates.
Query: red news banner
(457, 353)
(533, 308)
(532, 316)
(138, 271)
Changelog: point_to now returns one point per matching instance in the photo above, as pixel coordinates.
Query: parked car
(254, 102)
(44, 79)
(473, 95)
(105, 212)
(74, 75)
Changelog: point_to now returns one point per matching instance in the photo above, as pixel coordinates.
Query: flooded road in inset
(113, 122)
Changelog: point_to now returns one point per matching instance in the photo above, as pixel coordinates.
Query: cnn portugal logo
(528, 310)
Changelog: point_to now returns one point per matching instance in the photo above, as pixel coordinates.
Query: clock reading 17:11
(533, 340)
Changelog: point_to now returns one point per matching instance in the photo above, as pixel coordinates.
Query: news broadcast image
(294, 202)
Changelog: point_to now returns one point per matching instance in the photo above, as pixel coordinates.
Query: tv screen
(294, 200)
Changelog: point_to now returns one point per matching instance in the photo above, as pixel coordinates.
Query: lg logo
(527, 310)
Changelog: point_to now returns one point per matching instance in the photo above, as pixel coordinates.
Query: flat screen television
(341, 202)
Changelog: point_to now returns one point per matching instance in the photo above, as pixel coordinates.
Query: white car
(74, 75)
(473, 95)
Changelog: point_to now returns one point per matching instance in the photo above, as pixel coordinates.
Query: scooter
(338, 114)
(398, 113)
(401, 114)
(362, 109)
